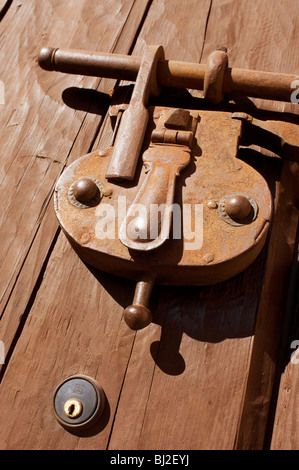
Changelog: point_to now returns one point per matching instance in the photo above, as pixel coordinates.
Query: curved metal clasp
(214, 75)
(148, 221)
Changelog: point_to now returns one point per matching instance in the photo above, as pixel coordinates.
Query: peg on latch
(194, 213)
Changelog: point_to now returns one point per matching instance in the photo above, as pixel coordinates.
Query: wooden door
(206, 373)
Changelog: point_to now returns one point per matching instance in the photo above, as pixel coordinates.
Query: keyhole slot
(73, 408)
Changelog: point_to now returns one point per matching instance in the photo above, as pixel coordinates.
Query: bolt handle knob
(137, 316)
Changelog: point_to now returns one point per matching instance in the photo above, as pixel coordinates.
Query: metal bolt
(85, 190)
(73, 408)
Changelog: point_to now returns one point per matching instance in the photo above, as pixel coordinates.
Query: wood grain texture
(259, 35)
(285, 432)
(4, 6)
(194, 379)
(32, 157)
(284, 435)
(65, 336)
(40, 141)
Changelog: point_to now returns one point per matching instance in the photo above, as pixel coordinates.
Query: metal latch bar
(252, 83)
(135, 119)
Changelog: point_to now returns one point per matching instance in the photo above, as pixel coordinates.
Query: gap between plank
(206, 29)
(152, 379)
(143, 19)
(4, 8)
(119, 395)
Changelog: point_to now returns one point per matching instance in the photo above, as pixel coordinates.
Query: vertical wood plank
(285, 424)
(64, 335)
(259, 35)
(249, 31)
(205, 394)
(265, 348)
(47, 324)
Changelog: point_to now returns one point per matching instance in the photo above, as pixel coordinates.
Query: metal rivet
(78, 402)
(237, 207)
(209, 258)
(212, 205)
(85, 190)
(85, 238)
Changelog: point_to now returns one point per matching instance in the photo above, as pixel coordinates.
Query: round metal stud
(238, 209)
(78, 402)
(86, 192)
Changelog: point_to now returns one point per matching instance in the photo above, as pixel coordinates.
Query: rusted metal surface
(219, 251)
(84, 190)
(275, 135)
(224, 206)
(253, 83)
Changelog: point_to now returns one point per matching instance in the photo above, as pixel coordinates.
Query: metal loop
(214, 73)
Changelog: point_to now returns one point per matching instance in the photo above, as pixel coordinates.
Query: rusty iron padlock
(191, 212)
